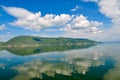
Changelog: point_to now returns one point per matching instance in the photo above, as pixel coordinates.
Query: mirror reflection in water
(98, 62)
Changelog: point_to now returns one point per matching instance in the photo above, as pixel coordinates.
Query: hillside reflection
(40, 49)
(101, 62)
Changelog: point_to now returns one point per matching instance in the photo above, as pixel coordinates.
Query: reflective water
(97, 62)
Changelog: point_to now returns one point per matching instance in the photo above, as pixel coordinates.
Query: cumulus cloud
(91, 0)
(2, 27)
(34, 21)
(82, 24)
(111, 9)
(75, 9)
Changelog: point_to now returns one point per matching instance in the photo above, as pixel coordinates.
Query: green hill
(26, 45)
(41, 41)
(1, 43)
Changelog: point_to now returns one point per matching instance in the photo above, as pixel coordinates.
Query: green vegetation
(1, 43)
(26, 45)
(41, 41)
(40, 49)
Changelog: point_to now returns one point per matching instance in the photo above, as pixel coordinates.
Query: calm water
(98, 62)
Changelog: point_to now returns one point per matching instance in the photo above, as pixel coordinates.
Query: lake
(92, 62)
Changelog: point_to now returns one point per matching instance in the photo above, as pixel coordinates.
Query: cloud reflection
(65, 66)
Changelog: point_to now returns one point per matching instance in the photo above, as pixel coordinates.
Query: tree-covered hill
(38, 41)
(1, 43)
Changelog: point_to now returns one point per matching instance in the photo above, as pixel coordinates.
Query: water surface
(98, 62)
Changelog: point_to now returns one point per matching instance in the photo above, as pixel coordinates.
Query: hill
(42, 41)
(1, 43)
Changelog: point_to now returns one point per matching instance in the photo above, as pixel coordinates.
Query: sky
(92, 19)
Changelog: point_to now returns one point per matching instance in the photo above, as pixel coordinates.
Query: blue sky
(92, 19)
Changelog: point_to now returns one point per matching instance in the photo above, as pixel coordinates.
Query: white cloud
(111, 9)
(17, 12)
(91, 0)
(82, 24)
(75, 9)
(35, 21)
(2, 27)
